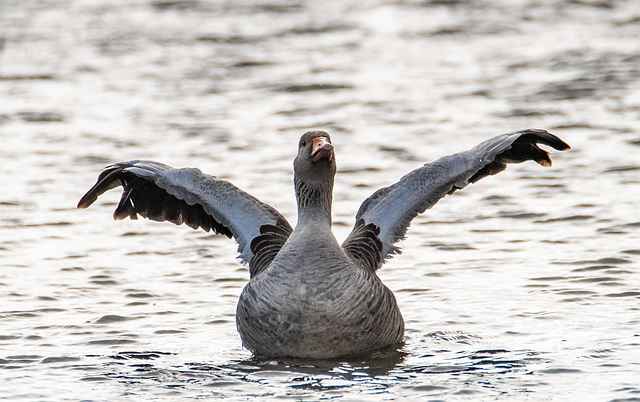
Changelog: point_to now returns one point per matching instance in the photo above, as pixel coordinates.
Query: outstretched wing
(393, 208)
(159, 192)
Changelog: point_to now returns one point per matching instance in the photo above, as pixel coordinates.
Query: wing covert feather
(393, 208)
(159, 192)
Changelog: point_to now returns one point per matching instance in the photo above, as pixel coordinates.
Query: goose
(309, 296)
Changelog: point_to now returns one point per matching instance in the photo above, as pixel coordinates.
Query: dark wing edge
(391, 209)
(523, 148)
(142, 196)
(159, 192)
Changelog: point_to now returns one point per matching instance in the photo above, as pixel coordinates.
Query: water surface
(522, 286)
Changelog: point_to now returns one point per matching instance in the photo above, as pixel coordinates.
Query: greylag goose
(308, 296)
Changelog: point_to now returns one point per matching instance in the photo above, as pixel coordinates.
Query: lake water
(525, 285)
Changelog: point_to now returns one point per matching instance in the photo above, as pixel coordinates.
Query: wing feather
(159, 192)
(392, 208)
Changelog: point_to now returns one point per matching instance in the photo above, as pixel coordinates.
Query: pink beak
(322, 149)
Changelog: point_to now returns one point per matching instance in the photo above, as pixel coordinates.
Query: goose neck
(314, 202)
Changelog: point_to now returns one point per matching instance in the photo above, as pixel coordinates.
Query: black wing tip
(523, 148)
(107, 180)
(543, 136)
(125, 210)
(87, 200)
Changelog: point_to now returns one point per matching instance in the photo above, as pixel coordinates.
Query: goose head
(314, 170)
(315, 161)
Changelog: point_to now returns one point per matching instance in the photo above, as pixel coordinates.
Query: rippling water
(525, 285)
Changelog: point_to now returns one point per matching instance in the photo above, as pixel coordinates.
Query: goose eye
(304, 144)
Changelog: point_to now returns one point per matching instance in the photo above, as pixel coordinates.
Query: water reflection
(371, 374)
(317, 375)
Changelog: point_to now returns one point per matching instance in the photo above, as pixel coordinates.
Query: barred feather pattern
(307, 195)
(364, 246)
(267, 245)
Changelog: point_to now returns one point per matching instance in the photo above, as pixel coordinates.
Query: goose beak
(322, 149)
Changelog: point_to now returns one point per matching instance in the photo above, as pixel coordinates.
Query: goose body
(298, 308)
(309, 296)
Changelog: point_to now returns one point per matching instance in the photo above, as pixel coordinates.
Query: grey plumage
(159, 192)
(308, 296)
(393, 208)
